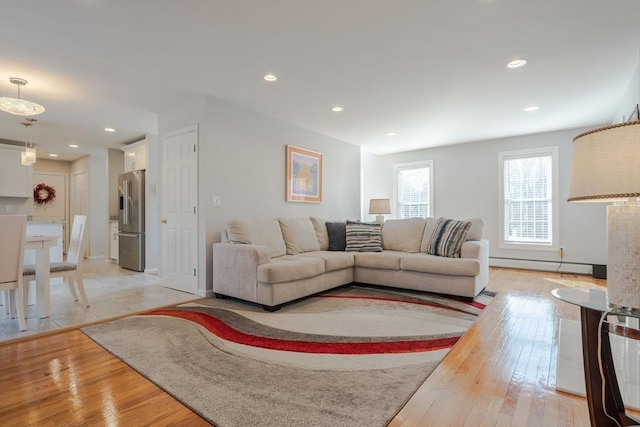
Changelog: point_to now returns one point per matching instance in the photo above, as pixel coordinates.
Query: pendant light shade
(19, 106)
(29, 153)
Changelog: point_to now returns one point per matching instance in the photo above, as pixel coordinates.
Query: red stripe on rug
(224, 331)
(429, 304)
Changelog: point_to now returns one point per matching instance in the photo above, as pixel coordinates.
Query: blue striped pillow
(363, 237)
(447, 237)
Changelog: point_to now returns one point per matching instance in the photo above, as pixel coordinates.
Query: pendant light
(29, 153)
(19, 106)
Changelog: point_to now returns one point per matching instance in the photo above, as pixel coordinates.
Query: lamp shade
(379, 206)
(605, 164)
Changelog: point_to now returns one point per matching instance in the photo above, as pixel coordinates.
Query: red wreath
(43, 194)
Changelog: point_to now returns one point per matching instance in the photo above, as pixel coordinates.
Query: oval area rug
(348, 357)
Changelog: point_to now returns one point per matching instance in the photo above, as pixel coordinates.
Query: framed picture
(304, 175)
(635, 114)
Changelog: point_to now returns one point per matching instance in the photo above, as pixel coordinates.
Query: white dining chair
(13, 229)
(70, 268)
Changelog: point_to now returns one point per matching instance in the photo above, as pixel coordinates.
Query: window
(414, 189)
(529, 198)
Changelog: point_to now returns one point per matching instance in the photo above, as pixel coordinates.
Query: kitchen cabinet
(16, 180)
(135, 156)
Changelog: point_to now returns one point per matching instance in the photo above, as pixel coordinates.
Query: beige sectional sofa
(274, 261)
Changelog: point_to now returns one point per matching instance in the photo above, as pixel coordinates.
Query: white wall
(378, 182)
(466, 185)
(242, 160)
(630, 99)
(152, 207)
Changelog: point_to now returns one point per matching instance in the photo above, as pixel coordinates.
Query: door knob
(164, 221)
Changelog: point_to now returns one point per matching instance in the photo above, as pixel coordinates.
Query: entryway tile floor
(112, 292)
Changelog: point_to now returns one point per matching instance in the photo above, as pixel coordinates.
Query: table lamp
(379, 207)
(605, 167)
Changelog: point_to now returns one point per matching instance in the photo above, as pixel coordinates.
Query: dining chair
(70, 268)
(13, 229)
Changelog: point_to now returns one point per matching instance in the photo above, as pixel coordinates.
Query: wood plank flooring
(502, 373)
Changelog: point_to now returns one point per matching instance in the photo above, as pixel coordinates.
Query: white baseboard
(151, 271)
(566, 267)
(97, 257)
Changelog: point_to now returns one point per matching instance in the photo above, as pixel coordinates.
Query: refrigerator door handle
(128, 235)
(125, 190)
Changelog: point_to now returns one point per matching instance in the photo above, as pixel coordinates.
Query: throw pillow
(363, 237)
(337, 232)
(321, 232)
(299, 235)
(448, 237)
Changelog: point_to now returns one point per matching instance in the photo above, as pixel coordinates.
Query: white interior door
(57, 209)
(80, 202)
(179, 224)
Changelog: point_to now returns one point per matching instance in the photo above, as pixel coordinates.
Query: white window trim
(555, 199)
(413, 165)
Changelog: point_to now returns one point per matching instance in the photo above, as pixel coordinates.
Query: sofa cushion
(476, 229)
(332, 260)
(447, 237)
(299, 235)
(266, 232)
(337, 232)
(288, 268)
(387, 260)
(402, 234)
(319, 225)
(363, 237)
(425, 263)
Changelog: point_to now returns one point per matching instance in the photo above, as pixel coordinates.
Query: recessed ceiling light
(337, 108)
(517, 63)
(531, 108)
(53, 155)
(390, 134)
(109, 129)
(73, 146)
(270, 77)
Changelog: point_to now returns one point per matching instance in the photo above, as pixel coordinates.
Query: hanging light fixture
(19, 106)
(29, 153)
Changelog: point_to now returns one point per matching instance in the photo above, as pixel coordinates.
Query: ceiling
(431, 71)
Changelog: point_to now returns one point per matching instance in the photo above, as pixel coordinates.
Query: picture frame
(304, 175)
(635, 114)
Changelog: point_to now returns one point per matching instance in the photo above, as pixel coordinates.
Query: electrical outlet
(216, 201)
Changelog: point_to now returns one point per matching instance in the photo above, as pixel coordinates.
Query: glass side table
(606, 407)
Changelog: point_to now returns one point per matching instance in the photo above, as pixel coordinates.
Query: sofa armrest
(478, 249)
(235, 269)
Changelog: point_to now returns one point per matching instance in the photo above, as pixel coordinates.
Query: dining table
(42, 245)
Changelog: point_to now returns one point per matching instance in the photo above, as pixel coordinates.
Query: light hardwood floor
(501, 373)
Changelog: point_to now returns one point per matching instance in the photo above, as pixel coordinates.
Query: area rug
(349, 357)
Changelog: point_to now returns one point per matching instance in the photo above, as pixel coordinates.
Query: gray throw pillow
(447, 237)
(363, 237)
(337, 232)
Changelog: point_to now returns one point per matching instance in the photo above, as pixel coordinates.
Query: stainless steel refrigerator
(131, 220)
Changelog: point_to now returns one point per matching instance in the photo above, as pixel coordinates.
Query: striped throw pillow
(363, 237)
(447, 237)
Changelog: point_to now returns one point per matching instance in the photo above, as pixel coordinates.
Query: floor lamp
(605, 167)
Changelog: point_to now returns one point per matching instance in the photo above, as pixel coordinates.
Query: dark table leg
(595, 393)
